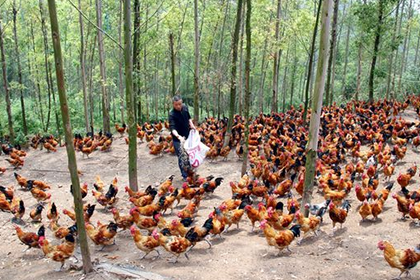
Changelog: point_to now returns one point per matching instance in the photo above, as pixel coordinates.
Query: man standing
(180, 124)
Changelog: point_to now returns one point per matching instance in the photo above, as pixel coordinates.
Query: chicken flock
(360, 143)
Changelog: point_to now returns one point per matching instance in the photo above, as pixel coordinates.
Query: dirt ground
(241, 254)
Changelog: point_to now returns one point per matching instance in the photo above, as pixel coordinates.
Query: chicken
(178, 227)
(123, 222)
(4, 204)
(362, 194)
(165, 186)
(119, 129)
(83, 190)
(144, 200)
(148, 210)
(284, 187)
(279, 239)
(49, 147)
(109, 199)
(197, 233)
(138, 194)
(23, 182)
(38, 194)
(30, 238)
(62, 232)
(20, 211)
(145, 222)
(212, 185)
(36, 214)
(99, 184)
(2, 170)
(318, 210)
(103, 234)
(377, 206)
(414, 212)
(388, 171)
(190, 209)
(17, 163)
(8, 193)
(233, 217)
(173, 244)
(403, 260)
(403, 205)
(58, 253)
(166, 201)
(224, 152)
(52, 213)
(253, 214)
(365, 210)
(147, 244)
(339, 215)
(404, 179)
(41, 185)
(307, 224)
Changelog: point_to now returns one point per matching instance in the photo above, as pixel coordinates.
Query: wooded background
(375, 54)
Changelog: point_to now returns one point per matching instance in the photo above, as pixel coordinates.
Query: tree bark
(171, 48)
(240, 74)
(274, 104)
(83, 70)
(311, 61)
(197, 62)
(72, 164)
(416, 56)
(120, 74)
(136, 61)
(331, 58)
(6, 87)
(247, 83)
(391, 57)
(132, 128)
(102, 66)
(404, 48)
(376, 47)
(346, 58)
(317, 104)
(22, 101)
(359, 71)
(234, 48)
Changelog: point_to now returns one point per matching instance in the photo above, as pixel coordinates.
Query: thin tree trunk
(396, 50)
(317, 104)
(359, 71)
(82, 66)
(197, 62)
(404, 47)
(292, 87)
(284, 86)
(311, 61)
(234, 48)
(6, 87)
(331, 58)
(274, 104)
(22, 102)
(91, 101)
(247, 83)
(376, 48)
(136, 61)
(57, 122)
(240, 74)
(417, 49)
(346, 58)
(132, 128)
(37, 81)
(72, 164)
(391, 57)
(145, 70)
(46, 51)
(171, 48)
(120, 74)
(102, 66)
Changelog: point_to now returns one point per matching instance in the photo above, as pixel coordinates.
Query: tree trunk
(145, 70)
(359, 71)
(38, 87)
(132, 128)
(262, 77)
(83, 70)
(240, 74)
(391, 57)
(6, 87)
(72, 164)
(22, 101)
(312, 147)
(404, 48)
(311, 61)
(292, 86)
(46, 51)
(197, 62)
(102, 66)
(331, 56)
(136, 61)
(234, 48)
(247, 84)
(376, 47)
(120, 74)
(274, 104)
(284, 86)
(417, 50)
(346, 58)
(57, 122)
(171, 48)
(91, 101)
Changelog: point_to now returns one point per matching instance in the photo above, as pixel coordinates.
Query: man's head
(177, 102)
